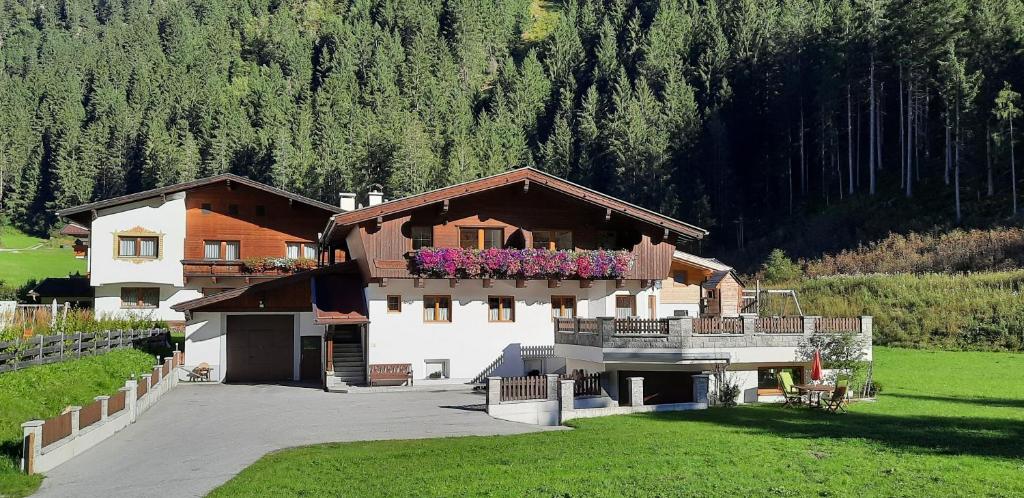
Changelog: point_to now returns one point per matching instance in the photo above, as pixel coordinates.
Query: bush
(728, 392)
(778, 268)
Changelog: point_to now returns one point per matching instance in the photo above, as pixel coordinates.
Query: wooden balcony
(215, 269)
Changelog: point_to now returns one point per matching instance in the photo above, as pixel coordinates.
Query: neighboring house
(521, 272)
(153, 249)
(74, 290)
(81, 235)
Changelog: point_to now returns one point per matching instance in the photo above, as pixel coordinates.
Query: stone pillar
(866, 324)
(131, 398)
(606, 327)
(32, 444)
(76, 412)
(159, 374)
(566, 400)
(493, 391)
(171, 378)
(809, 324)
(636, 391)
(552, 386)
(749, 324)
(104, 407)
(701, 384)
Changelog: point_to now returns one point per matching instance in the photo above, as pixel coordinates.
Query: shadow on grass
(981, 401)
(987, 437)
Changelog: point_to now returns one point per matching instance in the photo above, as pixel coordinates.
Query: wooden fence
(712, 325)
(56, 428)
(585, 384)
(116, 403)
(90, 414)
(641, 326)
(524, 388)
(780, 325)
(41, 350)
(837, 324)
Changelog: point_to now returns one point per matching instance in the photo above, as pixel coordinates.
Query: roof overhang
(83, 214)
(527, 177)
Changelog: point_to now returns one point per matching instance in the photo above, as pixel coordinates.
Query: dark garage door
(260, 348)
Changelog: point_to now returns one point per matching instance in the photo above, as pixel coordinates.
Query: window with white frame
(137, 247)
(309, 251)
(292, 249)
(625, 306)
(436, 369)
(211, 249)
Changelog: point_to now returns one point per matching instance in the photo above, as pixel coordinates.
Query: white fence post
(76, 412)
(552, 386)
(104, 407)
(493, 391)
(566, 400)
(636, 391)
(32, 444)
(132, 398)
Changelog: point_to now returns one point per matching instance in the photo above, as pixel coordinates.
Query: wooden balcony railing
(710, 325)
(780, 325)
(641, 326)
(837, 324)
(222, 268)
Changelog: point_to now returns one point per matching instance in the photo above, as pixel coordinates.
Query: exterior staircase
(349, 366)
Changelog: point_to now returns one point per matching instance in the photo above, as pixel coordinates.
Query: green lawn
(947, 424)
(42, 392)
(27, 261)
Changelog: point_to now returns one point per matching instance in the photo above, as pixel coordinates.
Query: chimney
(374, 197)
(347, 201)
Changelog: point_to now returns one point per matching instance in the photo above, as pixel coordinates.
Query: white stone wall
(470, 342)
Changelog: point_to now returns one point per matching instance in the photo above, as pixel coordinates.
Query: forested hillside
(839, 119)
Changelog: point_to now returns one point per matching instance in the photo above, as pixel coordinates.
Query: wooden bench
(391, 372)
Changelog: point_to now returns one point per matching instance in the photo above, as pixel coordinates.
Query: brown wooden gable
(381, 246)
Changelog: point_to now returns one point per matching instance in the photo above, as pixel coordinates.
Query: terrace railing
(640, 326)
(524, 388)
(780, 325)
(709, 325)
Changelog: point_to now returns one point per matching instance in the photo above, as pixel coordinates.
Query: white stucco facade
(470, 342)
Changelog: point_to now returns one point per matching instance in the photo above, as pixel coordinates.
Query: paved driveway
(199, 436)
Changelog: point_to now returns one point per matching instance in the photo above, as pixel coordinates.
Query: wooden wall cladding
(292, 297)
(518, 214)
(260, 234)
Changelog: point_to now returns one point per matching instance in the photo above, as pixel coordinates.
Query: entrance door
(260, 348)
(309, 361)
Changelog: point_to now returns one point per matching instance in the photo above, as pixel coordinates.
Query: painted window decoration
(501, 309)
(140, 297)
(563, 306)
(437, 308)
(211, 249)
(552, 240)
(481, 238)
(766, 376)
(625, 306)
(394, 304)
(138, 247)
(448, 262)
(422, 236)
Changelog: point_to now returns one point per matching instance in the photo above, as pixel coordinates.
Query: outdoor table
(815, 389)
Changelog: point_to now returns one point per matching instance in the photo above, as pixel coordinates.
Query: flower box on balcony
(277, 265)
(520, 263)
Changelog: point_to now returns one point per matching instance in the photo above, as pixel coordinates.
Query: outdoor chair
(837, 402)
(790, 393)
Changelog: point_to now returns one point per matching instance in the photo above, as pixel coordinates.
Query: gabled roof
(716, 278)
(181, 187)
(521, 175)
(708, 263)
(74, 230)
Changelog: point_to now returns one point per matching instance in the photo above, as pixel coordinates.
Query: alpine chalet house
(151, 250)
(515, 274)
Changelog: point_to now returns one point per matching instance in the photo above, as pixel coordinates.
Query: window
(292, 249)
(206, 207)
(394, 304)
(501, 309)
(261, 210)
(437, 308)
(422, 236)
(211, 249)
(625, 306)
(563, 306)
(232, 250)
(436, 369)
(140, 297)
(652, 306)
(138, 247)
(481, 238)
(233, 209)
(711, 293)
(766, 376)
(309, 251)
(679, 278)
(296, 250)
(552, 240)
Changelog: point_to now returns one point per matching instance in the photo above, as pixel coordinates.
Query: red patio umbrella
(816, 366)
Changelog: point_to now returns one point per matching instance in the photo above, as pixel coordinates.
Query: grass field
(947, 424)
(42, 392)
(21, 259)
